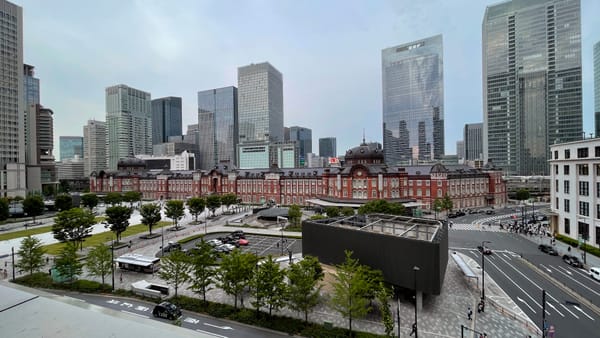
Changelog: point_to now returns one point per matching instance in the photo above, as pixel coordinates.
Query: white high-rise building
(94, 147)
(128, 122)
(12, 103)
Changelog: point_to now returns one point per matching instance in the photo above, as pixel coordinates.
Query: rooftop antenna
(364, 136)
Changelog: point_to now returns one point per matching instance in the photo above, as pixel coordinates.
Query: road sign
(551, 331)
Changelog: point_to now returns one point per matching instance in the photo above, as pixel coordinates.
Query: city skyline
(320, 93)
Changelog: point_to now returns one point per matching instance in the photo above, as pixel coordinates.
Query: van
(595, 273)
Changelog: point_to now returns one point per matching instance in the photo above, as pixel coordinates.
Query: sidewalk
(562, 249)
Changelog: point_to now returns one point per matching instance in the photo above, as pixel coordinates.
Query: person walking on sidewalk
(469, 313)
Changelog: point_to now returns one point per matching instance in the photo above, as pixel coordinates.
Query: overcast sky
(329, 53)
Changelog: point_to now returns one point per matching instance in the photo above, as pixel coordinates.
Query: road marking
(578, 282)
(219, 327)
(580, 310)
(135, 314)
(542, 265)
(555, 309)
(564, 307)
(579, 272)
(524, 302)
(211, 334)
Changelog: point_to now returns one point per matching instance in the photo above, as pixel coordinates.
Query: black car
(172, 246)
(572, 261)
(548, 249)
(167, 310)
(484, 250)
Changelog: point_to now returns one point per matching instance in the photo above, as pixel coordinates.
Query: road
(524, 285)
(193, 321)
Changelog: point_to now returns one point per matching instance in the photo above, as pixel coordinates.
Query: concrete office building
(41, 168)
(70, 146)
(94, 147)
(260, 103)
(473, 141)
(218, 126)
(532, 95)
(71, 169)
(413, 101)
(597, 87)
(183, 161)
(255, 155)
(128, 122)
(575, 190)
(12, 103)
(327, 147)
(303, 136)
(166, 119)
(460, 150)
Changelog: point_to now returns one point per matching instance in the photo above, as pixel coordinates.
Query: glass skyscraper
(327, 147)
(531, 82)
(303, 137)
(70, 146)
(129, 123)
(413, 101)
(260, 95)
(166, 119)
(473, 141)
(597, 87)
(217, 126)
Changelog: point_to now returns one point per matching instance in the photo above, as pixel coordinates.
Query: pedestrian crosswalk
(476, 227)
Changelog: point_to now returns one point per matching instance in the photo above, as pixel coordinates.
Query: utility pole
(12, 249)
(543, 313)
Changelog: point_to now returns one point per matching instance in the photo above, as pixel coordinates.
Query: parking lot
(262, 245)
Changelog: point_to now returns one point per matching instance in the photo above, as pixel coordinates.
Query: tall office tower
(12, 107)
(473, 138)
(260, 103)
(460, 149)
(302, 136)
(286, 134)
(166, 119)
(41, 169)
(531, 82)
(327, 147)
(94, 147)
(31, 86)
(413, 101)
(597, 87)
(70, 146)
(218, 126)
(129, 123)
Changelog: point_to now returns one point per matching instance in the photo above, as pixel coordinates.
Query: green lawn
(104, 237)
(25, 233)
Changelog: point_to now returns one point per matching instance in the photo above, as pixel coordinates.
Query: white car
(595, 273)
(214, 242)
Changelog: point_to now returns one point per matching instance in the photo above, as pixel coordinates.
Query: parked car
(572, 261)
(595, 273)
(214, 242)
(172, 246)
(243, 241)
(224, 248)
(167, 310)
(484, 249)
(490, 212)
(548, 249)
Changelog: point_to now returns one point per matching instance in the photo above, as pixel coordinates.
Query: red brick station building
(362, 177)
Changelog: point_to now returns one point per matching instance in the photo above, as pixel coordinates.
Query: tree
(174, 210)
(68, 264)
(202, 261)
(523, 194)
(73, 225)
(63, 202)
(382, 207)
(437, 206)
(229, 199)
(447, 203)
(132, 196)
(196, 205)
(31, 255)
(349, 289)
(332, 211)
(113, 198)
(89, 201)
(383, 294)
(4, 214)
(99, 261)
(234, 273)
(64, 187)
(294, 214)
(268, 284)
(347, 211)
(175, 269)
(213, 202)
(117, 218)
(303, 290)
(33, 205)
(150, 215)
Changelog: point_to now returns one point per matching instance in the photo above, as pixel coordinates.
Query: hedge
(575, 243)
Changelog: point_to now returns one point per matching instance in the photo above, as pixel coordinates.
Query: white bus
(138, 263)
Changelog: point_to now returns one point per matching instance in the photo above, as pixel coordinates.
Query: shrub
(574, 243)
(90, 286)
(36, 280)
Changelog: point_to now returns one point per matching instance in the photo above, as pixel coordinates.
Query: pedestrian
(121, 278)
(469, 314)
(414, 329)
(569, 249)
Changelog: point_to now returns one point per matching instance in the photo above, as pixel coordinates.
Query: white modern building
(256, 155)
(12, 102)
(128, 122)
(94, 147)
(71, 169)
(575, 189)
(183, 161)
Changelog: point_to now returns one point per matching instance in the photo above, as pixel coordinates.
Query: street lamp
(112, 262)
(415, 269)
(284, 219)
(483, 270)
